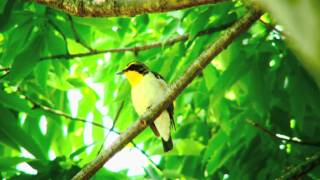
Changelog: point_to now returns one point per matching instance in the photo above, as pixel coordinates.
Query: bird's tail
(167, 145)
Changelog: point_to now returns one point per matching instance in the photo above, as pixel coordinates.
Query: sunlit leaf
(27, 59)
(10, 127)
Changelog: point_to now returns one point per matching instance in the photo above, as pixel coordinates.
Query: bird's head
(134, 72)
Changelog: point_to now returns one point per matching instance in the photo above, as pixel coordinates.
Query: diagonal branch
(135, 49)
(109, 8)
(279, 137)
(302, 169)
(193, 71)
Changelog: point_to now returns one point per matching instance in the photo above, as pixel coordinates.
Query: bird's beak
(120, 73)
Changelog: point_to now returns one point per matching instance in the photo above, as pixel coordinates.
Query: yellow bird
(147, 89)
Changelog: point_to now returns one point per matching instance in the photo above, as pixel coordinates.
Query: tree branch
(302, 169)
(277, 137)
(168, 42)
(109, 8)
(193, 71)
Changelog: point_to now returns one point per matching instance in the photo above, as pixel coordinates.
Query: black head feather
(138, 67)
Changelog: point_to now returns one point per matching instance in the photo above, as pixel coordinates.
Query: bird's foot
(143, 122)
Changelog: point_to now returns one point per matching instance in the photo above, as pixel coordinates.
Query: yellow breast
(133, 77)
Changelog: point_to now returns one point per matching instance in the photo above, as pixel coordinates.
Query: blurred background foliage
(59, 97)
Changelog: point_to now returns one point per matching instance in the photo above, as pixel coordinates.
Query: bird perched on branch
(147, 89)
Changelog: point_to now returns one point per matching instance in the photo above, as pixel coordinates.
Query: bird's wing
(170, 108)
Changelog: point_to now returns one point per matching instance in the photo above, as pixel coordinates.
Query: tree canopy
(245, 78)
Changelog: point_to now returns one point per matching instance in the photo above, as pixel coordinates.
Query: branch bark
(193, 71)
(109, 8)
(302, 169)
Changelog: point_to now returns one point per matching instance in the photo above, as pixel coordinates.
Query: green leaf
(26, 60)
(186, 147)
(105, 174)
(80, 150)
(258, 90)
(215, 142)
(7, 163)
(304, 43)
(13, 101)
(7, 140)
(123, 26)
(169, 29)
(55, 42)
(41, 72)
(3, 5)
(232, 74)
(17, 39)
(5, 12)
(10, 127)
(219, 159)
(77, 82)
(210, 76)
(297, 91)
(142, 22)
(200, 23)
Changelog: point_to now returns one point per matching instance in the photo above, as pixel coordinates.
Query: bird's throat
(133, 77)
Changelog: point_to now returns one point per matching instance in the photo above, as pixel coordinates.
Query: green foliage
(45, 96)
(301, 28)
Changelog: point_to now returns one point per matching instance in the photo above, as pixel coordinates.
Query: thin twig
(147, 156)
(192, 72)
(270, 27)
(303, 168)
(276, 137)
(138, 48)
(116, 117)
(113, 124)
(60, 113)
(76, 35)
